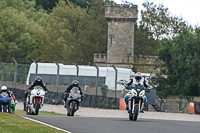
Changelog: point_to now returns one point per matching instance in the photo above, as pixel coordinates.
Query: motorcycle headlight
(134, 93)
(141, 93)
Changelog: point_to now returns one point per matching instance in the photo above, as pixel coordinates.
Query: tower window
(111, 38)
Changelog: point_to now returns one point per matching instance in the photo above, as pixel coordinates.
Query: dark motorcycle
(73, 99)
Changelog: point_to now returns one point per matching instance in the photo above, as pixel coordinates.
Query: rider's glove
(82, 97)
(46, 92)
(16, 102)
(28, 91)
(66, 94)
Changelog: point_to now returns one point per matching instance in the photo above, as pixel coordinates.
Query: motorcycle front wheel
(12, 110)
(135, 115)
(37, 106)
(28, 110)
(72, 111)
(5, 109)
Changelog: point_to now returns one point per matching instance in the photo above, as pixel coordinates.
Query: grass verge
(12, 123)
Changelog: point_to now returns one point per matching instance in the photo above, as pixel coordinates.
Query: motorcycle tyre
(135, 115)
(12, 110)
(28, 110)
(37, 107)
(5, 109)
(72, 110)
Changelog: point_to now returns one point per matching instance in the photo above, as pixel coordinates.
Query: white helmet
(4, 88)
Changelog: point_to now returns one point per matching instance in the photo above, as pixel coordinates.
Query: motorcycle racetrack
(119, 125)
(93, 120)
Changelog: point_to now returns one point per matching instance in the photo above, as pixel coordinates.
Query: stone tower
(120, 45)
(121, 19)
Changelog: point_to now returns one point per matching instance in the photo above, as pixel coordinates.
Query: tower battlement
(121, 12)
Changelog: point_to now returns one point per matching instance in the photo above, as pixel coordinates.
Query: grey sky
(189, 10)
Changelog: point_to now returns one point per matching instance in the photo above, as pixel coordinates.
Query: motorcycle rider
(74, 83)
(13, 96)
(37, 82)
(5, 89)
(138, 77)
(10, 93)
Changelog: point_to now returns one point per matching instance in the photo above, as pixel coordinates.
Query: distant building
(120, 45)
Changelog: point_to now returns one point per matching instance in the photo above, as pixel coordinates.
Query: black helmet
(75, 83)
(38, 79)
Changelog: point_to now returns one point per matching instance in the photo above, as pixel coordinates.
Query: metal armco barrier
(88, 100)
(197, 107)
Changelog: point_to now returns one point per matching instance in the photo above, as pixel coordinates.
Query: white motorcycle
(35, 100)
(135, 100)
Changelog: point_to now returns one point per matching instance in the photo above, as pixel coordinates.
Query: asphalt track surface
(118, 125)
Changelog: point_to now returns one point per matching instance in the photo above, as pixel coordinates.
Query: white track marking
(46, 124)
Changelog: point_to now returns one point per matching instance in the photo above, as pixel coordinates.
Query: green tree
(45, 4)
(181, 57)
(73, 35)
(145, 44)
(20, 34)
(156, 23)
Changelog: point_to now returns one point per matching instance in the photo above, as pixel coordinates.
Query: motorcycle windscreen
(74, 92)
(4, 98)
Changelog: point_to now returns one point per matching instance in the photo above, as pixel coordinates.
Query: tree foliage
(62, 35)
(19, 31)
(156, 24)
(159, 22)
(181, 57)
(72, 32)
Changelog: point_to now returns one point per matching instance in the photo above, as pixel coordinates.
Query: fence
(14, 75)
(7, 73)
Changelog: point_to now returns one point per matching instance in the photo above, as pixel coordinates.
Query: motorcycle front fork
(133, 105)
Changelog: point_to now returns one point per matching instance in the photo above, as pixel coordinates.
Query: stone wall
(100, 58)
(146, 64)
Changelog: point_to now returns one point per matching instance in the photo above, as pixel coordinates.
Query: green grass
(12, 123)
(21, 112)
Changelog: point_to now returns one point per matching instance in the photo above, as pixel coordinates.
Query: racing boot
(65, 104)
(141, 110)
(24, 106)
(126, 102)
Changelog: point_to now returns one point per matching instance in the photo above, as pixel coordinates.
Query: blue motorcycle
(5, 101)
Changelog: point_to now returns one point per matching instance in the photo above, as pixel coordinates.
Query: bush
(104, 90)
